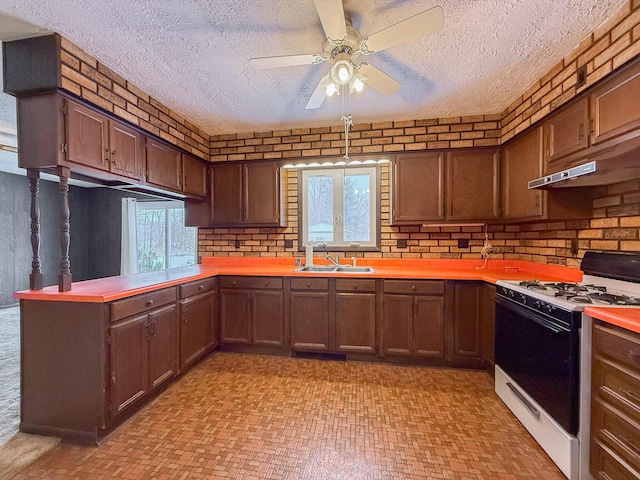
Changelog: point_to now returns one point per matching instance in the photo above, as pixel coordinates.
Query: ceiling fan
(344, 44)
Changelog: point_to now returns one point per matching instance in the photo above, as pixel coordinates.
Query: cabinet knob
(355, 286)
(233, 283)
(150, 302)
(201, 287)
(308, 284)
(413, 287)
(266, 283)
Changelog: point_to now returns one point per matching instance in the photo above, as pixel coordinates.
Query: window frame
(374, 171)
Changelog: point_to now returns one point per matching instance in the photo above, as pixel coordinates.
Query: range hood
(612, 165)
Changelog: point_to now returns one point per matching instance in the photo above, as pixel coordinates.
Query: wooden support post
(36, 281)
(64, 279)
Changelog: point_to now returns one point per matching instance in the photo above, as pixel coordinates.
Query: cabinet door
(356, 322)
(163, 165)
(267, 323)
(397, 335)
(196, 327)
(310, 321)
(488, 324)
(194, 176)
(127, 150)
(162, 345)
(129, 362)
(472, 185)
(235, 316)
(87, 136)
(261, 193)
(567, 130)
(417, 188)
(226, 194)
(615, 106)
(522, 161)
(428, 326)
(466, 319)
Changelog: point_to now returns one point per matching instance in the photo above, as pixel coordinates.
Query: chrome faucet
(336, 262)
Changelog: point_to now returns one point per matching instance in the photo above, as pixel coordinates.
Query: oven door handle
(532, 317)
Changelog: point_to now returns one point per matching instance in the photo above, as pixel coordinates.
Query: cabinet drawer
(355, 285)
(622, 346)
(140, 303)
(433, 287)
(618, 433)
(606, 464)
(619, 387)
(200, 286)
(309, 284)
(251, 282)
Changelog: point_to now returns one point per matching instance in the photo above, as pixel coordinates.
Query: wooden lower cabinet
(310, 321)
(355, 304)
(197, 334)
(413, 318)
(252, 311)
(142, 356)
(615, 403)
(466, 320)
(488, 324)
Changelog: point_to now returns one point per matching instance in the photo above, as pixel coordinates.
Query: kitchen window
(339, 208)
(155, 238)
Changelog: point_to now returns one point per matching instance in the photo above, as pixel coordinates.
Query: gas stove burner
(611, 299)
(580, 299)
(600, 288)
(533, 284)
(566, 287)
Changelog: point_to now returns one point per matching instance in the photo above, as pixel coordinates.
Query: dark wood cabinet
(194, 176)
(252, 311)
(488, 324)
(198, 320)
(413, 318)
(94, 140)
(472, 185)
(355, 302)
(615, 107)
(466, 320)
(417, 183)
(310, 325)
(615, 403)
(164, 165)
(247, 194)
(143, 347)
(522, 160)
(567, 131)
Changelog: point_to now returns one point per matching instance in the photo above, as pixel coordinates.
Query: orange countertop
(114, 288)
(625, 317)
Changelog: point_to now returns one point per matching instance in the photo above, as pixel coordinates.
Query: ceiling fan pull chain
(348, 122)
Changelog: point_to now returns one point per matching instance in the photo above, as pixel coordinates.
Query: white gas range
(543, 352)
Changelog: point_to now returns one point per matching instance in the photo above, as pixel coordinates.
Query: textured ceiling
(192, 55)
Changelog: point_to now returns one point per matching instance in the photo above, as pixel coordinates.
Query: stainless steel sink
(335, 269)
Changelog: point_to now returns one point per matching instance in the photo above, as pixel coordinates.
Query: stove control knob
(538, 304)
(522, 297)
(510, 293)
(548, 307)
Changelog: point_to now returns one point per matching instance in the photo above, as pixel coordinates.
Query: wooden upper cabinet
(96, 141)
(417, 188)
(194, 176)
(164, 166)
(473, 189)
(261, 193)
(567, 130)
(127, 150)
(247, 194)
(522, 161)
(227, 196)
(87, 133)
(615, 106)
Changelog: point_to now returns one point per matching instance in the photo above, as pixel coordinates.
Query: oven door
(542, 357)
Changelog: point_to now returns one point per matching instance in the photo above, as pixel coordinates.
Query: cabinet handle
(106, 155)
(308, 284)
(580, 131)
(355, 286)
(233, 283)
(113, 157)
(592, 127)
(113, 378)
(629, 444)
(150, 302)
(201, 287)
(266, 283)
(537, 200)
(632, 396)
(413, 287)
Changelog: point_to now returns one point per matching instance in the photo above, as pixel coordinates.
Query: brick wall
(89, 79)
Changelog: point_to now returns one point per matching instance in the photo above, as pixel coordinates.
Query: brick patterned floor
(261, 417)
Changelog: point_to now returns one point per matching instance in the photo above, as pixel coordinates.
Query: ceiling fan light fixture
(332, 89)
(342, 70)
(357, 82)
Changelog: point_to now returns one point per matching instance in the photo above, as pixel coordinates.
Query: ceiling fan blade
(331, 15)
(379, 80)
(318, 95)
(429, 21)
(286, 61)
